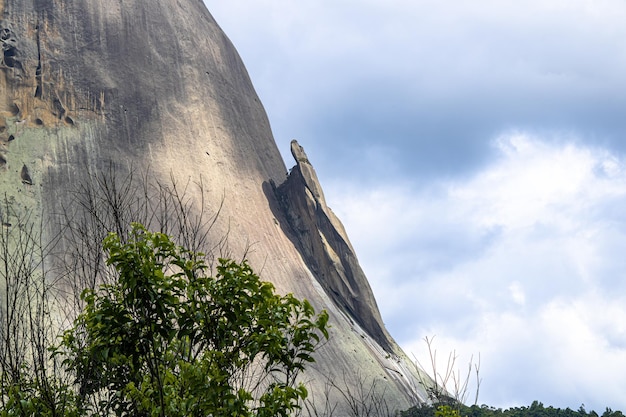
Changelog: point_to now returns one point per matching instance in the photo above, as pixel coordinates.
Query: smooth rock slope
(155, 86)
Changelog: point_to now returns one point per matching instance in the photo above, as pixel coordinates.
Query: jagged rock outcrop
(326, 248)
(155, 86)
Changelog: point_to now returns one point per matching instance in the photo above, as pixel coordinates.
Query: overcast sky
(476, 153)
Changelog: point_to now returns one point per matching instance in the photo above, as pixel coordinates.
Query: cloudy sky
(476, 153)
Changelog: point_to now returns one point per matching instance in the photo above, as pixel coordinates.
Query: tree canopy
(168, 339)
(536, 409)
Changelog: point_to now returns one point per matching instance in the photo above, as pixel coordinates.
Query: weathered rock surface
(135, 85)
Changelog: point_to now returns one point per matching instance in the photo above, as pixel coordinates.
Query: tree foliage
(168, 339)
(536, 409)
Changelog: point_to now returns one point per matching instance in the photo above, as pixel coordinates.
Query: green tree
(536, 409)
(168, 339)
(447, 411)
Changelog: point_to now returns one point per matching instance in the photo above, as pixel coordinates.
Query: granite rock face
(88, 86)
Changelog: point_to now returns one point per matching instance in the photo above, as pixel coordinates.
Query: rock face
(138, 85)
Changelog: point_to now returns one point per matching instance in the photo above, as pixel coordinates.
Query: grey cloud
(427, 137)
(433, 84)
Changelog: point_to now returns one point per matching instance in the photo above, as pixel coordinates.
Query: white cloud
(520, 263)
(517, 293)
